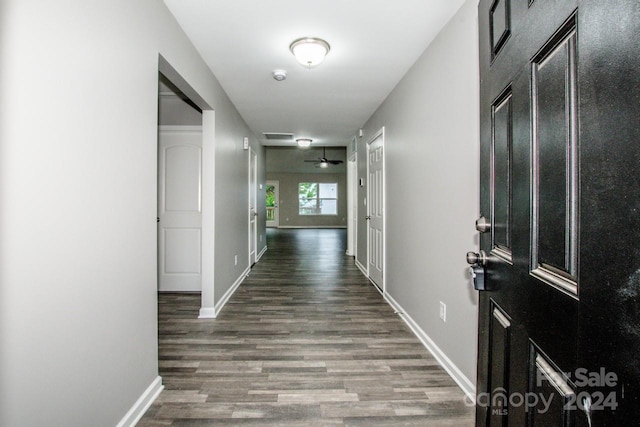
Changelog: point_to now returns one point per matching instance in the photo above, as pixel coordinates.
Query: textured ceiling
(373, 44)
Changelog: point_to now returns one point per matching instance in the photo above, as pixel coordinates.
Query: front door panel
(555, 157)
(549, 185)
(500, 349)
(501, 174)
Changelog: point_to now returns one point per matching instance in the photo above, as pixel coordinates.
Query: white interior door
(253, 211)
(375, 209)
(179, 208)
(273, 216)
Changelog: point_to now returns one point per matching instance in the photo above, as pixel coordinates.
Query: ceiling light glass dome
(310, 51)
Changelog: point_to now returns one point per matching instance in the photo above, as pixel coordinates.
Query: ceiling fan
(323, 162)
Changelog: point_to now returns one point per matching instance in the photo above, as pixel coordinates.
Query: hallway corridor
(306, 340)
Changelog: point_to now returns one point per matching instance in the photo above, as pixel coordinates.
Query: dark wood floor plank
(306, 340)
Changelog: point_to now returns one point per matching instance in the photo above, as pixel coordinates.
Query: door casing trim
(379, 134)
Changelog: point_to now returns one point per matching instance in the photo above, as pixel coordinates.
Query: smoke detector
(279, 75)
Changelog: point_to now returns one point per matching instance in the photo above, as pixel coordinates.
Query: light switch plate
(443, 311)
(245, 143)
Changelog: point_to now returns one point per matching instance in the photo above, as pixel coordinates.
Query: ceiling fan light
(324, 164)
(309, 51)
(304, 142)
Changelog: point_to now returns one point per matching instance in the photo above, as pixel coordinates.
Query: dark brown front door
(559, 323)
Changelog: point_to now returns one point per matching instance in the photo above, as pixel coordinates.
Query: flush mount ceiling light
(309, 51)
(304, 142)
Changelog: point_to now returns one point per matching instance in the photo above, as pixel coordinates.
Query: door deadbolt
(483, 225)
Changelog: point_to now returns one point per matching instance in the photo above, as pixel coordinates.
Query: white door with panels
(375, 209)
(253, 207)
(179, 208)
(352, 205)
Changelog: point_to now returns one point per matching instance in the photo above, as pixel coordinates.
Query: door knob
(478, 262)
(368, 217)
(479, 259)
(483, 225)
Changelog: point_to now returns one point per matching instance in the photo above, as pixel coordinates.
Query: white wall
(288, 205)
(288, 165)
(232, 200)
(78, 135)
(432, 157)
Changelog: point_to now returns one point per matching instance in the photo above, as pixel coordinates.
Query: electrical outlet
(235, 260)
(443, 311)
(261, 238)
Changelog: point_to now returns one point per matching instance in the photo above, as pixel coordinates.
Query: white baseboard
(456, 374)
(312, 226)
(231, 290)
(212, 312)
(362, 269)
(207, 313)
(261, 253)
(142, 404)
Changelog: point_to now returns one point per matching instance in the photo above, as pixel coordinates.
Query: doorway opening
(179, 190)
(272, 200)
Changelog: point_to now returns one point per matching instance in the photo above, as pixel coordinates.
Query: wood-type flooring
(306, 340)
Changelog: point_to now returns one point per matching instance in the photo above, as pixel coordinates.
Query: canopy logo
(499, 400)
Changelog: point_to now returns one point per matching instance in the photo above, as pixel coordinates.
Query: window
(318, 198)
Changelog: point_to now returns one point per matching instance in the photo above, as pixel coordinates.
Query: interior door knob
(483, 225)
(474, 258)
(368, 217)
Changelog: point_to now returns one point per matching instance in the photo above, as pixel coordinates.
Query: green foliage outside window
(270, 196)
(317, 198)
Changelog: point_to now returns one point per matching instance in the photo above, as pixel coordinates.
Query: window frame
(318, 199)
